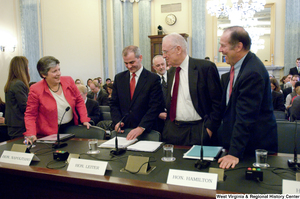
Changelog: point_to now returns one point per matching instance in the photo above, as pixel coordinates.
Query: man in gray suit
(197, 86)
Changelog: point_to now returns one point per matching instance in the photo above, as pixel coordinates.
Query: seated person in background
(285, 80)
(289, 97)
(49, 100)
(97, 93)
(78, 82)
(277, 96)
(294, 110)
(92, 106)
(108, 81)
(109, 89)
(88, 83)
(2, 110)
(288, 90)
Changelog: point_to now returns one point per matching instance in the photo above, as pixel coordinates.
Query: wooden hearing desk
(36, 181)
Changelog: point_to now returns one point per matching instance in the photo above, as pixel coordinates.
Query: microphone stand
(118, 151)
(57, 144)
(293, 163)
(201, 163)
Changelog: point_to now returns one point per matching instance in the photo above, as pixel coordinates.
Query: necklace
(53, 90)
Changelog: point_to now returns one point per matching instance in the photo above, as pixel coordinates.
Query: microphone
(118, 151)
(293, 163)
(201, 163)
(57, 144)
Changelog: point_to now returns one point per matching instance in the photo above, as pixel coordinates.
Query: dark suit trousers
(185, 134)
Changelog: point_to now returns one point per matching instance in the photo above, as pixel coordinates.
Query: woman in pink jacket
(48, 102)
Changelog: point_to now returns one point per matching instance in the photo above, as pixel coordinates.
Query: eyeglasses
(166, 51)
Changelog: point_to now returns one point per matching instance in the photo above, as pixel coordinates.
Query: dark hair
(108, 79)
(283, 78)
(110, 85)
(239, 34)
(298, 58)
(88, 80)
(45, 63)
(297, 84)
(276, 84)
(18, 69)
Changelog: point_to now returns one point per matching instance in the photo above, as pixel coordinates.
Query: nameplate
(88, 166)
(193, 179)
(13, 157)
(290, 187)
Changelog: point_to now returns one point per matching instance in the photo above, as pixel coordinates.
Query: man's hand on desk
(228, 161)
(117, 127)
(134, 133)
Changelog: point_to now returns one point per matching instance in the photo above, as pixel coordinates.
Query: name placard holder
(19, 158)
(88, 166)
(290, 187)
(193, 179)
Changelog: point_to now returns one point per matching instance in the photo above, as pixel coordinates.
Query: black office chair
(286, 136)
(104, 109)
(81, 131)
(280, 115)
(151, 136)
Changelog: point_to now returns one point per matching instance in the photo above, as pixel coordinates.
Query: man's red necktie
(231, 79)
(132, 85)
(174, 96)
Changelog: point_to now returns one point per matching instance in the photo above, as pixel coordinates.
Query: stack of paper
(146, 146)
(209, 152)
(122, 143)
(52, 138)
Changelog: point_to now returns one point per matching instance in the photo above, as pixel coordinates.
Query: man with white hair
(193, 95)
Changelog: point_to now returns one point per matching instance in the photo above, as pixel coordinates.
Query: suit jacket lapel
(193, 79)
(171, 75)
(139, 86)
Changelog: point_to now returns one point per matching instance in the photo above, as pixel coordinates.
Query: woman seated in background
(53, 101)
(16, 92)
(2, 112)
(109, 89)
(277, 96)
(78, 82)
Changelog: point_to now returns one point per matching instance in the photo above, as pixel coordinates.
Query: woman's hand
(29, 139)
(87, 124)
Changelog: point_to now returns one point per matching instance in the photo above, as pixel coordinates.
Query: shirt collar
(184, 65)
(138, 72)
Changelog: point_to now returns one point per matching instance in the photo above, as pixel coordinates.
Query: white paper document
(146, 146)
(52, 138)
(122, 143)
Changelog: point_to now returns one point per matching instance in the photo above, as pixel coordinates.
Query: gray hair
(136, 50)
(45, 63)
(156, 56)
(177, 39)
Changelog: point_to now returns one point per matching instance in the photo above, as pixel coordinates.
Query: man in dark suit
(248, 119)
(193, 102)
(92, 106)
(287, 91)
(159, 65)
(98, 94)
(136, 96)
(296, 70)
